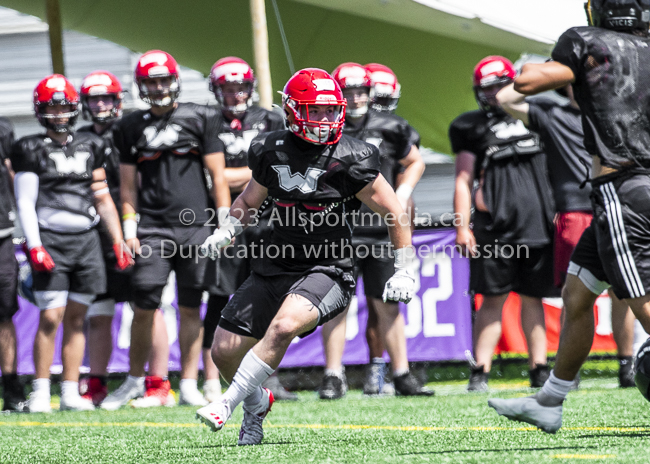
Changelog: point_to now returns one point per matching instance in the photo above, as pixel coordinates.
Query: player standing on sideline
(316, 171)
(391, 135)
(560, 129)
(232, 81)
(61, 194)
(608, 64)
(13, 393)
(513, 216)
(167, 147)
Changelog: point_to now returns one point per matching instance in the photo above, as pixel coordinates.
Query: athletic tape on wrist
(130, 229)
(404, 191)
(404, 257)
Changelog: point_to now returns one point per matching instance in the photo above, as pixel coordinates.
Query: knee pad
(48, 299)
(148, 298)
(105, 307)
(82, 298)
(189, 297)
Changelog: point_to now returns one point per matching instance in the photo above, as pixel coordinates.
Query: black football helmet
(642, 370)
(619, 15)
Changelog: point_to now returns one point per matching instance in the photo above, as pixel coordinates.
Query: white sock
(188, 386)
(137, 380)
(400, 372)
(41, 386)
(250, 375)
(337, 372)
(253, 399)
(212, 384)
(555, 389)
(69, 389)
(378, 361)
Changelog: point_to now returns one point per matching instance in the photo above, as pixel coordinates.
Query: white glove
(400, 287)
(215, 242)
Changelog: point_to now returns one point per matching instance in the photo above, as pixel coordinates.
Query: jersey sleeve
(122, 145)
(255, 160)
(102, 152)
(405, 143)
(537, 116)
(23, 159)
(6, 140)
(414, 136)
(362, 170)
(211, 141)
(276, 121)
(460, 137)
(570, 50)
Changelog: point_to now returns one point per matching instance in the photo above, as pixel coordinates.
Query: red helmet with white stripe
(101, 83)
(157, 64)
(56, 90)
(495, 72)
(386, 90)
(232, 70)
(311, 87)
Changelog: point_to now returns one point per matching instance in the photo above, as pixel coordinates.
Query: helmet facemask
(241, 105)
(101, 117)
(160, 97)
(59, 122)
(318, 132)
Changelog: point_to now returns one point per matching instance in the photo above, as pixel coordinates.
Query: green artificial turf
(602, 423)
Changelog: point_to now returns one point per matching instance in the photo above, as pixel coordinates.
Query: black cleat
(408, 385)
(14, 394)
(333, 387)
(478, 380)
(278, 390)
(626, 372)
(539, 375)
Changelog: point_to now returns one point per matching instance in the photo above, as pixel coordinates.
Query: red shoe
(93, 388)
(158, 393)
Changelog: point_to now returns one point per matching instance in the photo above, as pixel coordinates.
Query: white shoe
(212, 390)
(193, 397)
(251, 432)
(76, 403)
(214, 415)
(547, 418)
(155, 401)
(130, 389)
(39, 402)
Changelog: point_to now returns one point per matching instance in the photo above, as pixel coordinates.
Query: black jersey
(394, 137)
(560, 129)
(168, 152)
(111, 163)
(313, 188)
(65, 172)
(237, 136)
(512, 165)
(6, 195)
(612, 87)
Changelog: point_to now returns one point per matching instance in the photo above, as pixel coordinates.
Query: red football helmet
(353, 76)
(56, 90)
(236, 71)
(101, 83)
(313, 86)
(492, 71)
(385, 90)
(156, 63)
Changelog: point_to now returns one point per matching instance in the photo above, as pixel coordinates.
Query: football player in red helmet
(310, 170)
(233, 83)
(399, 155)
(61, 194)
(163, 154)
(385, 89)
(513, 206)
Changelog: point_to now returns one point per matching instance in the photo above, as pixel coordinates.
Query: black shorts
(118, 283)
(528, 271)
(258, 300)
(615, 248)
(8, 279)
(374, 262)
(164, 250)
(79, 266)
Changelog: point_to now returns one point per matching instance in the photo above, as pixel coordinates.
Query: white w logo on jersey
(306, 184)
(504, 131)
(75, 164)
(166, 137)
(235, 145)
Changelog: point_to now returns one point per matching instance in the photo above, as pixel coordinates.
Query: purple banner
(438, 319)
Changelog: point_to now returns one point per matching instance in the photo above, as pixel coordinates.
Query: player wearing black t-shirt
(317, 178)
(163, 153)
(608, 64)
(13, 392)
(233, 83)
(510, 242)
(559, 126)
(393, 136)
(61, 194)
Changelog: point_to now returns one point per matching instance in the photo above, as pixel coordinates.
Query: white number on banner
(440, 263)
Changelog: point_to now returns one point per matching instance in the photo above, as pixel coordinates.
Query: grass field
(602, 423)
